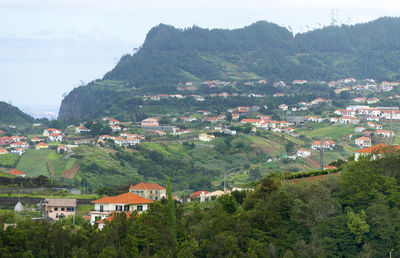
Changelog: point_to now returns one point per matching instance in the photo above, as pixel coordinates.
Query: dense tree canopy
(354, 214)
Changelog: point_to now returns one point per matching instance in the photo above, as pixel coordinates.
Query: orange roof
(147, 186)
(364, 138)
(126, 198)
(111, 217)
(251, 120)
(3, 151)
(302, 150)
(16, 172)
(197, 194)
(379, 148)
(42, 144)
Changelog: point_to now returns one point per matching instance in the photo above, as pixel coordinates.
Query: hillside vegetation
(11, 114)
(169, 57)
(192, 165)
(355, 214)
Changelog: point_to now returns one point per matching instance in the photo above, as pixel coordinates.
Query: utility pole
(224, 181)
(321, 157)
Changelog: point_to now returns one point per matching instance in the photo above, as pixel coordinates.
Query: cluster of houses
(137, 199)
(15, 144)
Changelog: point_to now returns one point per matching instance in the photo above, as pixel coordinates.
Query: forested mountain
(11, 114)
(171, 56)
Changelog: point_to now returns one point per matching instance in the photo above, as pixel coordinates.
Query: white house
(363, 142)
(115, 128)
(105, 206)
(303, 153)
(55, 137)
(206, 137)
(49, 131)
(81, 129)
(384, 133)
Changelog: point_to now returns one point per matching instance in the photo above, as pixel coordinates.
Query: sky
(48, 47)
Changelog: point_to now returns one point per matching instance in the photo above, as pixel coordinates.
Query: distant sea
(40, 111)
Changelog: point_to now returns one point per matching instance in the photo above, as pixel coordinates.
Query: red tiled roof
(111, 217)
(197, 194)
(379, 148)
(147, 186)
(16, 172)
(126, 198)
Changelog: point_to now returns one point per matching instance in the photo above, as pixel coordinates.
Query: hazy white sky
(48, 46)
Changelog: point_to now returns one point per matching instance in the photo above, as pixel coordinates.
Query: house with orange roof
(303, 153)
(41, 146)
(328, 167)
(206, 137)
(115, 128)
(363, 142)
(255, 122)
(16, 172)
(16, 138)
(112, 121)
(152, 121)
(3, 151)
(2, 132)
(55, 137)
(299, 82)
(201, 195)
(36, 139)
(18, 151)
(150, 191)
(106, 137)
(61, 149)
(105, 206)
(102, 222)
(81, 129)
(376, 151)
(5, 140)
(317, 145)
(385, 133)
(49, 131)
(23, 145)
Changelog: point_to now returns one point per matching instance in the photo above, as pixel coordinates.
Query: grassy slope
(256, 152)
(44, 162)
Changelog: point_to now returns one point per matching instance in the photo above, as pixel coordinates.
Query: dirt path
(70, 173)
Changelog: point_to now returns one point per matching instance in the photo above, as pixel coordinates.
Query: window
(151, 191)
(70, 209)
(56, 208)
(156, 191)
(101, 208)
(139, 207)
(126, 207)
(62, 208)
(118, 207)
(156, 198)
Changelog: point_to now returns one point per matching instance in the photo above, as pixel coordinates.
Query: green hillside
(11, 114)
(170, 57)
(191, 166)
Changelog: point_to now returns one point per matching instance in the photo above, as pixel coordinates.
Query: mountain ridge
(262, 50)
(12, 114)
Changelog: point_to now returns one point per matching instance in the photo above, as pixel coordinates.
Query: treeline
(354, 215)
